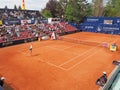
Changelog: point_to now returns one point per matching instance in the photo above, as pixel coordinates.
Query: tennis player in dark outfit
(102, 80)
(2, 81)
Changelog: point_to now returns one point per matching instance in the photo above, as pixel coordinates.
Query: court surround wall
(111, 78)
(97, 24)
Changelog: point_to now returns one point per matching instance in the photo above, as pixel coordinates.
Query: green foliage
(15, 7)
(59, 10)
(63, 4)
(19, 8)
(76, 10)
(47, 13)
(71, 10)
(112, 8)
(6, 7)
(51, 6)
(89, 10)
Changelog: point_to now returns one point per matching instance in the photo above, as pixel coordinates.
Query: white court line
(43, 61)
(86, 58)
(24, 50)
(70, 47)
(83, 40)
(36, 47)
(78, 56)
(83, 60)
(25, 54)
(65, 43)
(51, 64)
(61, 50)
(65, 62)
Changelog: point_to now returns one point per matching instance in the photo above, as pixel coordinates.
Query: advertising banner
(11, 22)
(25, 21)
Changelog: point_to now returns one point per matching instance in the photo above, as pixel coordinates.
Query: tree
(71, 10)
(98, 7)
(54, 7)
(15, 7)
(46, 13)
(76, 10)
(63, 4)
(6, 7)
(112, 8)
(19, 8)
(51, 6)
(59, 10)
(89, 10)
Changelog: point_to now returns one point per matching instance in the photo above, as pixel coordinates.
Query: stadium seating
(18, 32)
(22, 24)
(68, 27)
(18, 14)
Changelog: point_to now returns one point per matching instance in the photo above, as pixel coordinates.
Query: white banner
(25, 21)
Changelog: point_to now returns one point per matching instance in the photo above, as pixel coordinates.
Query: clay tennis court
(58, 64)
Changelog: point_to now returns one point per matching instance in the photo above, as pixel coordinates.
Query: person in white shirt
(30, 49)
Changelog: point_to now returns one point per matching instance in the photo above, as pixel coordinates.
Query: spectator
(2, 81)
(102, 80)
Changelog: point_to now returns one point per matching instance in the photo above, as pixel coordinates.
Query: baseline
(87, 57)
(51, 64)
(78, 55)
(83, 60)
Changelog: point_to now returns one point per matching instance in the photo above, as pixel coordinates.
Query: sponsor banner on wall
(25, 21)
(43, 20)
(108, 22)
(92, 20)
(110, 27)
(11, 22)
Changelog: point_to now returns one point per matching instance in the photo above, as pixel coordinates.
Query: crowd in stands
(11, 32)
(16, 32)
(18, 14)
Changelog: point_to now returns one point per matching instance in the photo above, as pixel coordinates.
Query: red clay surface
(57, 64)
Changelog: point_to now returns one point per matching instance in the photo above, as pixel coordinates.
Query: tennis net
(86, 42)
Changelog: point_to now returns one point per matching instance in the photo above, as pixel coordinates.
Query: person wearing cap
(104, 74)
(2, 81)
(103, 78)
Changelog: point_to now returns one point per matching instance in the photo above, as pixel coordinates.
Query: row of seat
(68, 27)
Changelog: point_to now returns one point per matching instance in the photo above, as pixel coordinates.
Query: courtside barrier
(19, 41)
(11, 22)
(108, 25)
